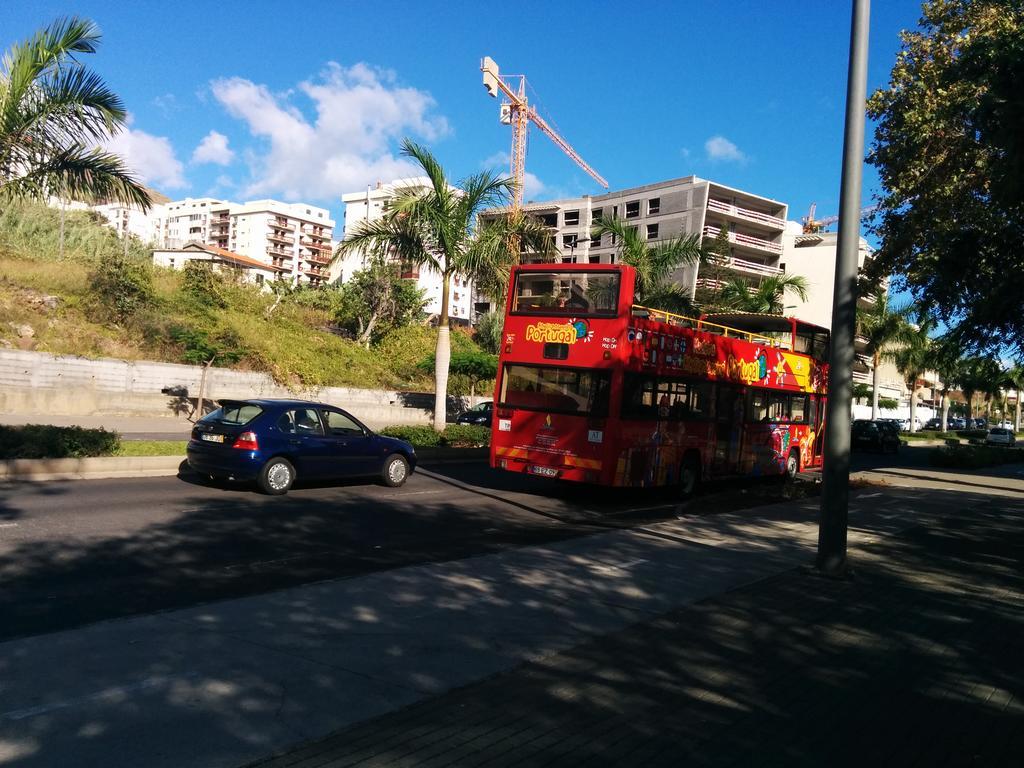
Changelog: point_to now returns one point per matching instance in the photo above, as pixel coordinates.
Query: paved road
(72, 553)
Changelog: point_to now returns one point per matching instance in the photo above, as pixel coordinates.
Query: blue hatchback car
(275, 442)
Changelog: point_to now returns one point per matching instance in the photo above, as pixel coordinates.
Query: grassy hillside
(46, 305)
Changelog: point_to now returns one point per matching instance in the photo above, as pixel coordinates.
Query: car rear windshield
(558, 390)
(998, 431)
(234, 414)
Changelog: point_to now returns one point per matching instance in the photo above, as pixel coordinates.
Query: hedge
(44, 441)
(974, 456)
(454, 436)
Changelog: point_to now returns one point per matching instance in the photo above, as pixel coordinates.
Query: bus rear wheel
(689, 476)
(792, 464)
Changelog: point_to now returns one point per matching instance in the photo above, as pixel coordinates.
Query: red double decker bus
(596, 389)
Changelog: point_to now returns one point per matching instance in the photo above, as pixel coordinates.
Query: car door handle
(294, 441)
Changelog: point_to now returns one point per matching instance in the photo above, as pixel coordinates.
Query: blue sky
(309, 100)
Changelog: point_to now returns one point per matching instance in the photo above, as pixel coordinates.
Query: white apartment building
(188, 221)
(373, 203)
(293, 236)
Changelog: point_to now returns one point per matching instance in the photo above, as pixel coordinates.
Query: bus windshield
(579, 294)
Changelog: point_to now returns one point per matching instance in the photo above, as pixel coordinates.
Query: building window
(654, 205)
(652, 231)
(550, 219)
(595, 241)
(570, 241)
(595, 259)
(633, 209)
(572, 218)
(595, 215)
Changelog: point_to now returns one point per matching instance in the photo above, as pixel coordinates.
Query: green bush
(121, 287)
(454, 436)
(974, 456)
(419, 436)
(43, 441)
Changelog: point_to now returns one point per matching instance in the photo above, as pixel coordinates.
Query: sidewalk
(697, 638)
(131, 427)
(916, 661)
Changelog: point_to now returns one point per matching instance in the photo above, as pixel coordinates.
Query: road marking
(869, 495)
(8, 525)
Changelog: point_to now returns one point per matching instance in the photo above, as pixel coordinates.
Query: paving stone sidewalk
(915, 661)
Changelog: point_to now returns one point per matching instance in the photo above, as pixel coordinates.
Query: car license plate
(213, 438)
(544, 471)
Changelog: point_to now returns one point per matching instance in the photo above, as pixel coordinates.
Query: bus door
(729, 407)
(818, 414)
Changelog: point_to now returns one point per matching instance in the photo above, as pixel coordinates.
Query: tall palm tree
(978, 375)
(438, 227)
(54, 114)
(768, 297)
(655, 262)
(1015, 379)
(915, 356)
(884, 328)
(948, 363)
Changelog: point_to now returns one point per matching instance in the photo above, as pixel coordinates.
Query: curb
(95, 468)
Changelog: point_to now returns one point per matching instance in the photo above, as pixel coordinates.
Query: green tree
(376, 300)
(1015, 380)
(490, 331)
(915, 355)
(768, 297)
(201, 348)
(884, 329)
(949, 365)
(439, 228)
(713, 271)
(655, 262)
(949, 150)
(121, 287)
(977, 375)
(475, 366)
(861, 391)
(200, 282)
(53, 113)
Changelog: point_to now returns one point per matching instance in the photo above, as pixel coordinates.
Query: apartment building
(373, 203)
(295, 237)
(188, 221)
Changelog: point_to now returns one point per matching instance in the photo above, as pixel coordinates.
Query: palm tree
(655, 262)
(439, 227)
(915, 356)
(1015, 379)
(54, 113)
(768, 297)
(883, 327)
(950, 366)
(978, 375)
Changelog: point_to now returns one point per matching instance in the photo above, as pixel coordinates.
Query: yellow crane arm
(541, 123)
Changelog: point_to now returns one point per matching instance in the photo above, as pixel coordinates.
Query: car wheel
(396, 471)
(689, 477)
(276, 477)
(792, 464)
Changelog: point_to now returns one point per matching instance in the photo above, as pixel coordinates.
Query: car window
(235, 414)
(340, 424)
(301, 421)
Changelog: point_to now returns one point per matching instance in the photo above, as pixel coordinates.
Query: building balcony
(861, 377)
(317, 258)
(716, 285)
(748, 267)
(282, 224)
(279, 254)
(315, 232)
(278, 238)
(746, 241)
(315, 245)
(745, 214)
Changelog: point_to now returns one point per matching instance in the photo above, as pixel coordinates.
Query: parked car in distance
(1006, 425)
(879, 435)
(935, 424)
(957, 423)
(481, 413)
(1000, 436)
(276, 442)
(980, 424)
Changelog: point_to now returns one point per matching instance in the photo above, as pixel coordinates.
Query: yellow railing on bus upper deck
(716, 328)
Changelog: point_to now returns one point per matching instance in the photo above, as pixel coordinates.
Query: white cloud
(500, 161)
(213, 149)
(360, 113)
(149, 157)
(720, 148)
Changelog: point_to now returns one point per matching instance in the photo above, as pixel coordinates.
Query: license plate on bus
(543, 471)
(212, 438)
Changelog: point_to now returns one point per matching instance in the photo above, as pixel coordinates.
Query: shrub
(201, 283)
(43, 441)
(974, 456)
(121, 287)
(454, 436)
(419, 436)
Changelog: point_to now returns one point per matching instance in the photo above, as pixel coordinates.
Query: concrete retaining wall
(40, 383)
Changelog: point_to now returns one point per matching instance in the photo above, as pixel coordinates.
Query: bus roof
(760, 321)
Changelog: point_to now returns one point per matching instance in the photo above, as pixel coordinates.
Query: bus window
(778, 407)
(798, 409)
(579, 294)
(700, 400)
(757, 408)
(559, 390)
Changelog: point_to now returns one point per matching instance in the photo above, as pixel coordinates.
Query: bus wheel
(792, 464)
(689, 476)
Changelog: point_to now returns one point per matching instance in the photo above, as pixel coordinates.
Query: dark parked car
(880, 435)
(934, 424)
(481, 413)
(275, 442)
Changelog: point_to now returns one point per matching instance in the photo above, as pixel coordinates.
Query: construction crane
(519, 113)
(814, 226)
